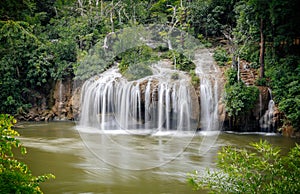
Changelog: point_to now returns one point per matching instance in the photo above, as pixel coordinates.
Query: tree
(15, 176)
(253, 23)
(239, 99)
(261, 169)
(17, 43)
(261, 17)
(16, 10)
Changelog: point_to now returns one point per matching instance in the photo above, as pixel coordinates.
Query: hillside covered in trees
(46, 41)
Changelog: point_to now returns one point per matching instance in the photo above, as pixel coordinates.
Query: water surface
(120, 163)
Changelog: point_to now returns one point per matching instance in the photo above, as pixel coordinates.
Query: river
(161, 166)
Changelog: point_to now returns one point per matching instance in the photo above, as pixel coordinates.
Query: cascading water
(60, 101)
(162, 104)
(156, 103)
(209, 86)
(266, 121)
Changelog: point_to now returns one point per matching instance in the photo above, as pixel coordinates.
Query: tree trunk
(101, 8)
(262, 49)
(112, 16)
(112, 21)
(81, 7)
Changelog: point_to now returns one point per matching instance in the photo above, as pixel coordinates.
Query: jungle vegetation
(47, 40)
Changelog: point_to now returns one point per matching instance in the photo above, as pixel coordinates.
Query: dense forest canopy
(45, 41)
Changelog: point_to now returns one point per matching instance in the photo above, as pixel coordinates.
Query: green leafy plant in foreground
(15, 177)
(260, 170)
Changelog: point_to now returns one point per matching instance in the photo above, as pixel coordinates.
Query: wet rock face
(66, 105)
(62, 95)
(65, 102)
(262, 103)
(35, 114)
(66, 97)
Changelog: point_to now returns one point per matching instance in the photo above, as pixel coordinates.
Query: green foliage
(137, 71)
(231, 77)
(206, 43)
(15, 177)
(180, 61)
(238, 98)
(33, 56)
(16, 10)
(18, 41)
(136, 55)
(92, 63)
(195, 78)
(43, 41)
(161, 10)
(210, 18)
(175, 76)
(261, 169)
(261, 82)
(285, 85)
(221, 56)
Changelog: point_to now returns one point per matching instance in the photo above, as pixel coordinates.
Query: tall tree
(260, 8)
(253, 23)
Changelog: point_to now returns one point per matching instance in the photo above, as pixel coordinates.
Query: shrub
(136, 55)
(261, 169)
(175, 76)
(137, 71)
(231, 76)
(195, 78)
(15, 177)
(239, 99)
(284, 80)
(180, 60)
(221, 56)
(206, 43)
(261, 82)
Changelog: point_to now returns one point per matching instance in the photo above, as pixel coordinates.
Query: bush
(238, 98)
(182, 63)
(261, 169)
(261, 82)
(15, 177)
(221, 56)
(175, 76)
(180, 60)
(231, 76)
(195, 78)
(204, 41)
(137, 71)
(285, 84)
(137, 55)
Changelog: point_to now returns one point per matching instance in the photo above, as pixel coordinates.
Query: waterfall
(158, 103)
(266, 121)
(209, 86)
(60, 101)
(60, 94)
